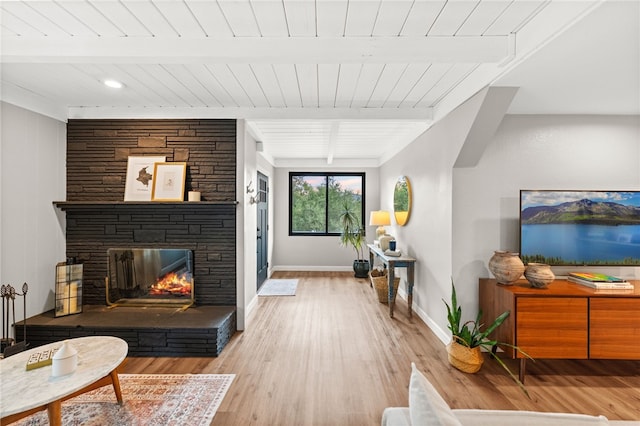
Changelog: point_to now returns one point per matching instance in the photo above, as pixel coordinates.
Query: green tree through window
(317, 199)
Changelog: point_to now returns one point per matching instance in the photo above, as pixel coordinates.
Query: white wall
(32, 176)
(304, 253)
(250, 161)
(428, 163)
(461, 215)
(246, 224)
(535, 152)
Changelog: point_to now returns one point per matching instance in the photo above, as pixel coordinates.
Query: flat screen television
(590, 228)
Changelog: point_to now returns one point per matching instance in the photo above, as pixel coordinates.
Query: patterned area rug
(149, 400)
(272, 287)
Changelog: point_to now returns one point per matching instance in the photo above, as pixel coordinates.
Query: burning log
(173, 284)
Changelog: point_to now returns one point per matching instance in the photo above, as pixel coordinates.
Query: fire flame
(172, 283)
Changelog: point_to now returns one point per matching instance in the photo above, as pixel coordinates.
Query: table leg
(391, 300)
(371, 260)
(116, 385)
(523, 369)
(410, 276)
(110, 379)
(54, 410)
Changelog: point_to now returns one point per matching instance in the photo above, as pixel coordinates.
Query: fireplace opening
(150, 277)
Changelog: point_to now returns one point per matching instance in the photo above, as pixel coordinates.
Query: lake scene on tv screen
(580, 227)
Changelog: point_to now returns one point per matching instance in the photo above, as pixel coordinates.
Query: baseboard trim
(440, 334)
(249, 310)
(312, 268)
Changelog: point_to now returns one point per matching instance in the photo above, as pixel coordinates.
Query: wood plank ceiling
(316, 79)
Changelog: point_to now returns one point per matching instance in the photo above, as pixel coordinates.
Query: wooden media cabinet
(564, 320)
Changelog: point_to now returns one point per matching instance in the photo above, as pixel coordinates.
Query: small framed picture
(139, 183)
(168, 181)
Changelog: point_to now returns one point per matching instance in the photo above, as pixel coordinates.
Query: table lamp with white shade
(380, 218)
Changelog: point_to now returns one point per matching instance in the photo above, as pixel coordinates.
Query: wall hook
(249, 189)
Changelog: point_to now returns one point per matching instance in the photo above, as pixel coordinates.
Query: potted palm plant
(468, 340)
(352, 234)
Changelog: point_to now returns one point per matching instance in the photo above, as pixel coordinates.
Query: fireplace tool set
(8, 345)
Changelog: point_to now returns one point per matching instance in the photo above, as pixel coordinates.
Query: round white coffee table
(26, 392)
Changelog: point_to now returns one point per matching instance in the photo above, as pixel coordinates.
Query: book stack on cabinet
(599, 281)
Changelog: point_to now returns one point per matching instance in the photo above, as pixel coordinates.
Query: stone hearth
(151, 331)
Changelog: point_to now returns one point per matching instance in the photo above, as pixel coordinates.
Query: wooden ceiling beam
(411, 114)
(271, 50)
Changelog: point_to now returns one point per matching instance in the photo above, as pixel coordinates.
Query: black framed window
(317, 199)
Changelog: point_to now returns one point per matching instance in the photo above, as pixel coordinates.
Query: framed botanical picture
(139, 182)
(168, 181)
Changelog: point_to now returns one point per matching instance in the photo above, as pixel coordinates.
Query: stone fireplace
(97, 220)
(207, 230)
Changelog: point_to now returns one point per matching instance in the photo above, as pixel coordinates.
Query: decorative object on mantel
(539, 275)
(380, 280)
(64, 360)
(168, 181)
(380, 218)
(506, 266)
(194, 196)
(467, 340)
(139, 180)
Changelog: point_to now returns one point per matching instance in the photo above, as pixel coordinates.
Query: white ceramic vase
(384, 242)
(64, 361)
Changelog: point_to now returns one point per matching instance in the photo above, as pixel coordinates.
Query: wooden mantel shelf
(78, 205)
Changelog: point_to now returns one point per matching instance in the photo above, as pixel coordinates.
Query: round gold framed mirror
(402, 200)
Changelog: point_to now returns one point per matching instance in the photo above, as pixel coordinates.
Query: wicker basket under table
(380, 281)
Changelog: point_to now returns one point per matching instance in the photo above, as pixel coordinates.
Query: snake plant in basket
(464, 351)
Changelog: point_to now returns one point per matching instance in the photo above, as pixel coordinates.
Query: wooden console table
(391, 263)
(564, 320)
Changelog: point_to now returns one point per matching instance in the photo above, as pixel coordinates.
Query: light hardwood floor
(332, 356)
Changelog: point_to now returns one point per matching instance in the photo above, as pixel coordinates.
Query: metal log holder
(8, 344)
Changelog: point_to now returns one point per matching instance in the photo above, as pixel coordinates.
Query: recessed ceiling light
(113, 84)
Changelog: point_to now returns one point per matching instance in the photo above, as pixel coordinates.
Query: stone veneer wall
(98, 219)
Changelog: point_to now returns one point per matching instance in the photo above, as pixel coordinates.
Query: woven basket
(380, 281)
(464, 358)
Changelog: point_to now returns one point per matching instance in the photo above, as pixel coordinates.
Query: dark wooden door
(262, 198)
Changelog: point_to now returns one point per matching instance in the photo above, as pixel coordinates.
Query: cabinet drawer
(614, 328)
(552, 327)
